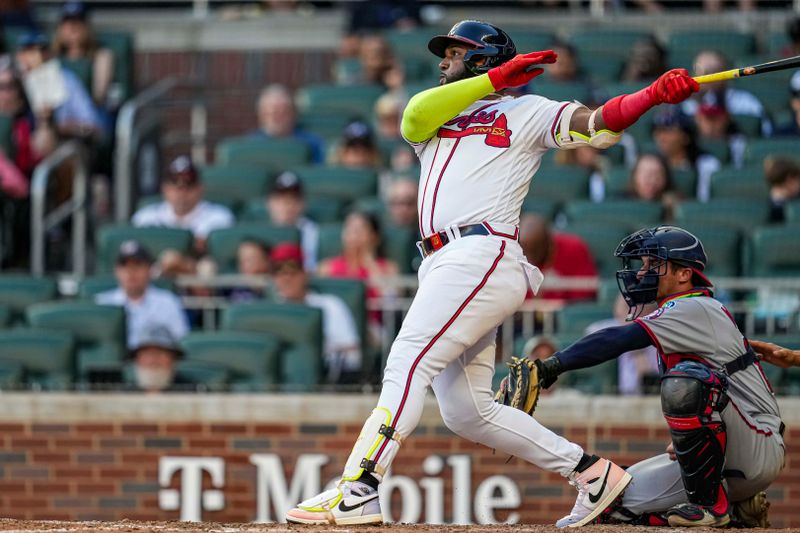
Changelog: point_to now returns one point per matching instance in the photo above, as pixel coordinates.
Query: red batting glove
(671, 87)
(519, 70)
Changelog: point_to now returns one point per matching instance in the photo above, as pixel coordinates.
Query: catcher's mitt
(520, 389)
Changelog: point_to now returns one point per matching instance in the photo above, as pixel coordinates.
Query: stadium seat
(5, 316)
(748, 125)
(223, 243)
(633, 214)
(326, 124)
(562, 91)
(351, 100)
(121, 46)
(575, 318)
(600, 379)
(602, 240)
(617, 43)
(98, 330)
(792, 212)
(608, 290)
(340, 183)
(540, 206)
(414, 42)
(352, 291)
(560, 183)
(772, 89)
(234, 184)
(154, 239)
(759, 149)
(92, 285)
(733, 44)
(12, 375)
(318, 209)
(601, 67)
(399, 245)
(249, 360)
(203, 377)
(745, 183)
(6, 135)
(273, 154)
(529, 40)
(298, 327)
(330, 240)
(18, 291)
(46, 356)
(618, 180)
(719, 148)
(738, 213)
(773, 251)
(722, 244)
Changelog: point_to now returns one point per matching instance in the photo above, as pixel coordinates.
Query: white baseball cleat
(598, 487)
(350, 503)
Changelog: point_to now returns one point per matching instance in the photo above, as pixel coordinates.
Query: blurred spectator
(368, 16)
(277, 119)
(55, 93)
(714, 122)
(252, 259)
(638, 370)
(357, 148)
(736, 101)
(593, 161)
(31, 140)
(402, 203)
(676, 139)
(783, 178)
(539, 347)
(377, 64)
(388, 111)
(647, 61)
(286, 207)
(793, 32)
(145, 306)
(565, 70)
(172, 264)
(341, 343)
(75, 43)
(560, 255)
(155, 356)
(651, 181)
(183, 205)
(793, 127)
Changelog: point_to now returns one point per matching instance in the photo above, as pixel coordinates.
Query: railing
(133, 126)
(76, 207)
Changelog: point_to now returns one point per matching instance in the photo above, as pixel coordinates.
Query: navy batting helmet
(486, 41)
(667, 243)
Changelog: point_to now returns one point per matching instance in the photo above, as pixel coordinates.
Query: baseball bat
(772, 66)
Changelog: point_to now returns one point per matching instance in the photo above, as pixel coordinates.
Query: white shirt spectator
(341, 343)
(157, 307)
(737, 102)
(202, 220)
(309, 242)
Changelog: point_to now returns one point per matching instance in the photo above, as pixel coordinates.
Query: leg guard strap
(376, 434)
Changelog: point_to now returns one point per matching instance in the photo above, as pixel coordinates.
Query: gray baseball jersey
(693, 325)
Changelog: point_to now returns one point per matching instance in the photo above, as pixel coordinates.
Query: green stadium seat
(121, 46)
(319, 209)
(737, 213)
(5, 316)
(250, 361)
(732, 44)
(98, 330)
(560, 183)
(608, 291)
(92, 285)
(46, 356)
(330, 240)
(600, 379)
(154, 239)
(600, 66)
(413, 42)
(616, 42)
(271, 154)
(760, 149)
(399, 245)
(719, 148)
(575, 318)
(340, 183)
(742, 183)
(298, 327)
(326, 124)
(792, 212)
(528, 40)
(561, 91)
(18, 291)
(235, 184)
(618, 180)
(12, 375)
(223, 243)
(202, 376)
(772, 89)
(82, 68)
(633, 214)
(722, 244)
(602, 240)
(773, 251)
(748, 125)
(352, 291)
(350, 100)
(6, 133)
(540, 206)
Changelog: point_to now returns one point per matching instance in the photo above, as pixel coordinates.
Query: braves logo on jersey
(494, 127)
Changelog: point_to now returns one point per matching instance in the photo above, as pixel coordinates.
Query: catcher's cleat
(753, 512)
(693, 515)
(598, 487)
(350, 503)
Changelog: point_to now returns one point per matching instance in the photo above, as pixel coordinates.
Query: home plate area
(131, 526)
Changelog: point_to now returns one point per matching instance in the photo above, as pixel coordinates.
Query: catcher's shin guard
(691, 397)
(375, 448)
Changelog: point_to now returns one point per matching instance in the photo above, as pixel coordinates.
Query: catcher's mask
(661, 245)
(486, 42)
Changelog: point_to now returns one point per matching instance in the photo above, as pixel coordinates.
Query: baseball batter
(478, 150)
(727, 435)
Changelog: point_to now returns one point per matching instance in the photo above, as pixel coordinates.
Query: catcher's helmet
(667, 243)
(489, 42)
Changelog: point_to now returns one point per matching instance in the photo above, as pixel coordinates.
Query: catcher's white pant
(466, 289)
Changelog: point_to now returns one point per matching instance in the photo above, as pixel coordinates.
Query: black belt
(741, 362)
(439, 239)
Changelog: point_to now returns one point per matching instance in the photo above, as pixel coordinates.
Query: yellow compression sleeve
(431, 108)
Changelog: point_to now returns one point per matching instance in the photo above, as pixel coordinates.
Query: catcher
(727, 435)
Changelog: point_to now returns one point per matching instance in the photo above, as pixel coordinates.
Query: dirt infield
(130, 526)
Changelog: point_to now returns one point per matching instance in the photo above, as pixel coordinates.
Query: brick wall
(109, 470)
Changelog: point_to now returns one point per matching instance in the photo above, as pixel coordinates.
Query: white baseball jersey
(479, 165)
